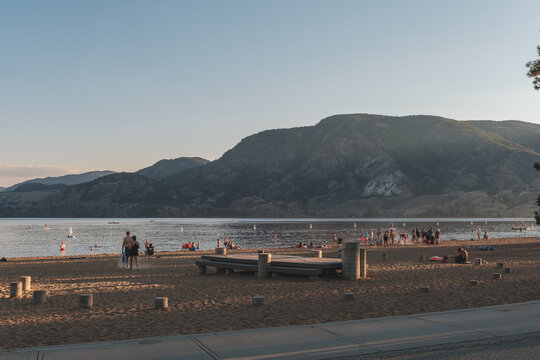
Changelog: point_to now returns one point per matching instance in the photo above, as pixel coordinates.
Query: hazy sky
(119, 85)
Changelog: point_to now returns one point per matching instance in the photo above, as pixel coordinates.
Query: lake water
(27, 237)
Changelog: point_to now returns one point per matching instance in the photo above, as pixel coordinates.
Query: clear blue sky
(119, 85)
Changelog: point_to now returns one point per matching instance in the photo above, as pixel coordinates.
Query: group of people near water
(388, 237)
(191, 246)
(228, 244)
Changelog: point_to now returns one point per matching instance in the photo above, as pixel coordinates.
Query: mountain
(2, 189)
(169, 167)
(359, 165)
(66, 179)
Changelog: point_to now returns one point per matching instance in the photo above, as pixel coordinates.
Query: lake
(29, 237)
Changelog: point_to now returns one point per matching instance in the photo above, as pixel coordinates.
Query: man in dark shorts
(126, 248)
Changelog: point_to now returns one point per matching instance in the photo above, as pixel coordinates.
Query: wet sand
(217, 302)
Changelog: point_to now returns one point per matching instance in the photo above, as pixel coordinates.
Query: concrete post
(384, 256)
(161, 303)
(478, 261)
(221, 251)
(317, 253)
(350, 260)
(39, 296)
(15, 290)
(363, 262)
(26, 282)
(422, 258)
(264, 263)
(86, 301)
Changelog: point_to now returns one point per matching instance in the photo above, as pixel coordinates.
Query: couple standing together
(130, 251)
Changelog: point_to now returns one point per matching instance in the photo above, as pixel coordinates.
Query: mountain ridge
(344, 165)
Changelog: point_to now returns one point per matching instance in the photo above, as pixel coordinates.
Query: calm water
(27, 237)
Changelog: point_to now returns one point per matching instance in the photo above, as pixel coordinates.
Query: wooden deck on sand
(278, 264)
(280, 260)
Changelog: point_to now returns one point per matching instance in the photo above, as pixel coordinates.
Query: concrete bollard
(317, 253)
(221, 251)
(347, 296)
(424, 289)
(350, 260)
(257, 300)
(506, 270)
(161, 303)
(422, 258)
(26, 282)
(86, 301)
(264, 263)
(39, 296)
(384, 256)
(500, 265)
(496, 275)
(478, 261)
(474, 282)
(15, 290)
(363, 262)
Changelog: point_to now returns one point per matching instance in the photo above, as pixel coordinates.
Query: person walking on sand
(126, 249)
(134, 253)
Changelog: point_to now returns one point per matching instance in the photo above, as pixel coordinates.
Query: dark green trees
(534, 71)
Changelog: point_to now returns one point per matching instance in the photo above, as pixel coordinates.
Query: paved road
(497, 332)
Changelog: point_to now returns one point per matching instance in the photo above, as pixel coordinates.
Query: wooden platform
(280, 264)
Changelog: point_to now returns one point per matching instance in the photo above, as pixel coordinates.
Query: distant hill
(2, 189)
(359, 165)
(66, 179)
(169, 167)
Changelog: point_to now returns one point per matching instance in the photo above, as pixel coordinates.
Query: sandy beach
(124, 306)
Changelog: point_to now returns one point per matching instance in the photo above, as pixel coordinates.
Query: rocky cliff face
(346, 165)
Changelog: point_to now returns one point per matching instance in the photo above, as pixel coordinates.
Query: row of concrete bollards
(40, 296)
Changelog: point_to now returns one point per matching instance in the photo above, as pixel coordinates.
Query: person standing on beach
(134, 253)
(126, 248)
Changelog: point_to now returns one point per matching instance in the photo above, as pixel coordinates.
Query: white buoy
(181, 228)
(311, 226)
(254, 227)
(355, 225)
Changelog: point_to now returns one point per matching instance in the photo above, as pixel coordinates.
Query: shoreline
(187, 254)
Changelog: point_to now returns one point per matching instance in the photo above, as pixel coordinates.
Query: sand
(217, 302)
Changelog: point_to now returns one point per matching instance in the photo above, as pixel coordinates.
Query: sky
(118, 85)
